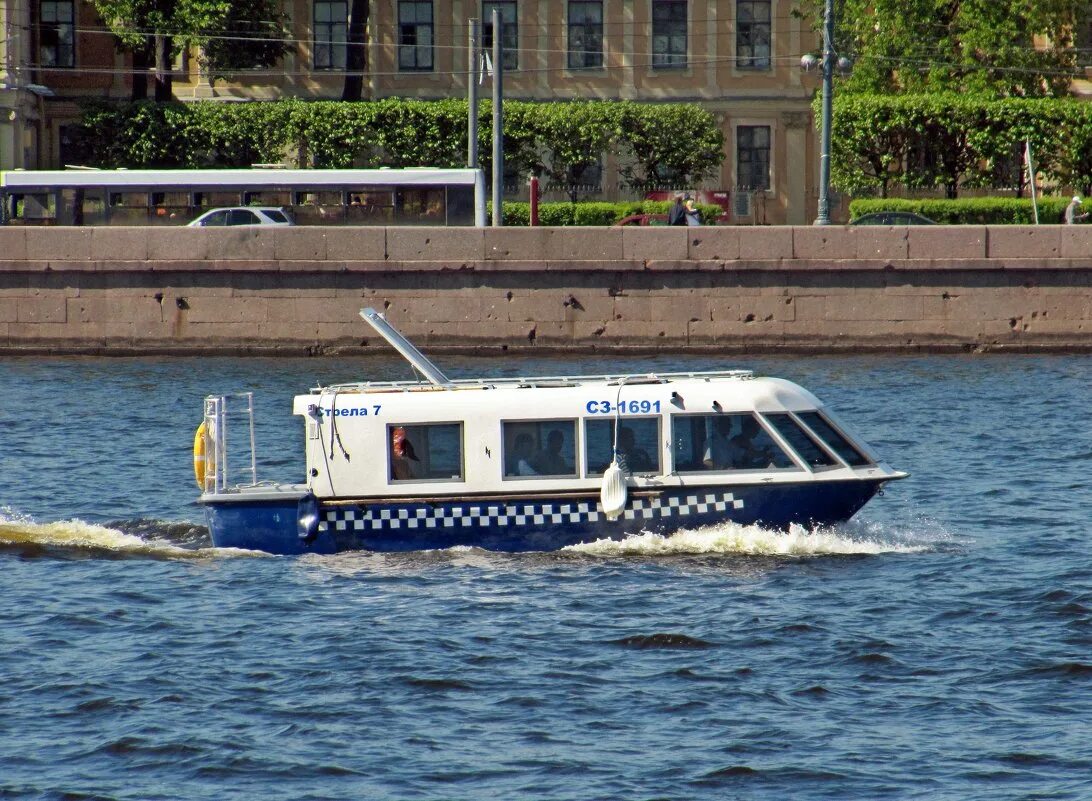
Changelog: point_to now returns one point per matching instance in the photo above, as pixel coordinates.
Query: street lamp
(830, 62)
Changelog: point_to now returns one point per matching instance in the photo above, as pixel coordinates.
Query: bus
(414, 196)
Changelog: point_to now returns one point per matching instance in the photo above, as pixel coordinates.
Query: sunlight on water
(77, 536)
(732, 538)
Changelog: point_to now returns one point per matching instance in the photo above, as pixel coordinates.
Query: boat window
(800, 440)
(834, 438)
(717, 442)
(539, 448)
(638, 444)
(425, 452)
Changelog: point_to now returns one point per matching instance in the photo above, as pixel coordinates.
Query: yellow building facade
(740, 59)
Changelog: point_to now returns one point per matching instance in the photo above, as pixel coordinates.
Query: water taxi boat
(536, 464)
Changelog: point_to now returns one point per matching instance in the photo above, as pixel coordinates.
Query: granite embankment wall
(298, 290)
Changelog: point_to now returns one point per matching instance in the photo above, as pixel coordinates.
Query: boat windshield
(834, 439)
(801, 440)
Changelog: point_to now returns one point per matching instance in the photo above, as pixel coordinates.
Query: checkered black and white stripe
(537, 513)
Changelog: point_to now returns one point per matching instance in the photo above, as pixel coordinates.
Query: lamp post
(828, 97)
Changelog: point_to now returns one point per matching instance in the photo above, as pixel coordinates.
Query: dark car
(892, 218)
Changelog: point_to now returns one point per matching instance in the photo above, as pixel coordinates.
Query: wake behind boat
(537, 464)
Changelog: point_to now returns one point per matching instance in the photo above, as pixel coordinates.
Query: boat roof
(436, 379)
(543, 382)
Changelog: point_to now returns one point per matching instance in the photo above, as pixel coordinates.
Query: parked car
(643, 219)
(243, 215)
(892, 218)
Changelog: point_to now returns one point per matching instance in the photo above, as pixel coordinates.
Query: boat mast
(405, 347)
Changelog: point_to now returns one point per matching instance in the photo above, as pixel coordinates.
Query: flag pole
(1031, 179)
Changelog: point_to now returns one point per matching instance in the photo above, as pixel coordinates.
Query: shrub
(518, 213)
(969, 211)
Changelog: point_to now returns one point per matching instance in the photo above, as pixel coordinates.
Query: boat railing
(630, 379)
(221, 453)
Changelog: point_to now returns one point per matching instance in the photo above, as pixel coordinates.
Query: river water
(939, 646)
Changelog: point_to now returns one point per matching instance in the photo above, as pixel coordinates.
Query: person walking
(692, 216)
(677, 214)
(1071, 215)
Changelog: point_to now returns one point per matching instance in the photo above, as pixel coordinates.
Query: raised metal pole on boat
(253, 454)
(405, 347)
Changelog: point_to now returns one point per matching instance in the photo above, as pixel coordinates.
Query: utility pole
(473, 74)
(498, 121)
(828, 93)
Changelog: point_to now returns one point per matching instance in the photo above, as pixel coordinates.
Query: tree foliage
(234, 34)
(657, 144)
(1001, 48)
(950, 141)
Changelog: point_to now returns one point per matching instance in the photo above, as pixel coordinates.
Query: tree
(355, 59)
(1019, 48)
(251, 35)
(672, 144)
(155, 31)
(573, 138)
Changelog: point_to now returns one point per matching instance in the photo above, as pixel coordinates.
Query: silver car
(243, 215)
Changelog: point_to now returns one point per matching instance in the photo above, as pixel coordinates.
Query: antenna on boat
(405, 347)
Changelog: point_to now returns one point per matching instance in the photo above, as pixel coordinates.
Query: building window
(668, 33)
(753, 34)
(57, 33)
(753, 156)
(509, 31)
(585, 34)
(331, 34)
(415, 35)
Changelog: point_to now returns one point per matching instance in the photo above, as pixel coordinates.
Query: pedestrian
(1071, 215)
(692, 216)
(677, 213)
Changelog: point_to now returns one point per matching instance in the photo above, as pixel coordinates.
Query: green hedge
(672, 144)
(957, 141)
(969, 211)
(552, 214)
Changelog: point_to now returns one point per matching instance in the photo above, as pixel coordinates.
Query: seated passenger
(631, 458)
(404, 462)
(549, 461)
(519, 461)
(746, 454)
(718, 447)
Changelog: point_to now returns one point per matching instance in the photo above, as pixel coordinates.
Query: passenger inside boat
(725, 442)
(550, 461)
(631, 458)
(751, 448)
(522, 451)
(404, 462)
(638, 445)
(539, 448)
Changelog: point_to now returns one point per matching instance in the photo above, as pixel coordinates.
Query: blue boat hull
(543, 524)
